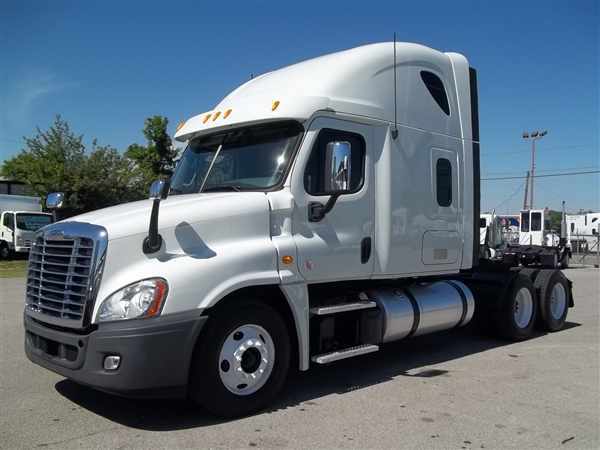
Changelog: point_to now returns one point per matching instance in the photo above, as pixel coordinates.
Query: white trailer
(20, 218)
(318, 212)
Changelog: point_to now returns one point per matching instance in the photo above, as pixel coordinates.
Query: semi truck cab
(318, 212)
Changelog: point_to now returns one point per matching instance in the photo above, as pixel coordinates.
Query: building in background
(13, 187)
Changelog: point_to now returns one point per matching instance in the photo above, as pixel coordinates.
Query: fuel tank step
(345, 353)
(342, 307)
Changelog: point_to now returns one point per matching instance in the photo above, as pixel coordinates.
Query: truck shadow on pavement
(408, 358)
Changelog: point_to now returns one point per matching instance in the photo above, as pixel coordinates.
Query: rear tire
(553, 289)
(518, 310)
(241, 362)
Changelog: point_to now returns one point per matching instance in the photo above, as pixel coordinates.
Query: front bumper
(155, 353)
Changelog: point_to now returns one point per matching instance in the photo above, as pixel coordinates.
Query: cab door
(333, 191)
(8, 226)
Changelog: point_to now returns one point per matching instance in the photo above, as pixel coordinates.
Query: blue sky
(106, 66)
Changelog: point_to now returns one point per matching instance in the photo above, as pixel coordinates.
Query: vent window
(443, 170)
(435, 86)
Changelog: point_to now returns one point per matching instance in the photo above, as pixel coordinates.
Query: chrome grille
(62, 273)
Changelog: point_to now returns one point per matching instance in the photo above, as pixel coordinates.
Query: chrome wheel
(558, 301)
(523, 309)
(246, 359)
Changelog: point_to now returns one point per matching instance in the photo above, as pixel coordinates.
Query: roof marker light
(216, 116)
(206, 118)
(180, 125)
(274, 105)
(226, 113)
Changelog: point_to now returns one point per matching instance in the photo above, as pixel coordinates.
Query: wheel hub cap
(246, 359)
(523, 310)
(558, 301)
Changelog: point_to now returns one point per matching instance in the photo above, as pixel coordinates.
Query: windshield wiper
(212, 163)
(225, 187)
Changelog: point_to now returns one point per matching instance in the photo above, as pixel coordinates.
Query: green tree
(56, 160)
(156, 159)
(51, 161)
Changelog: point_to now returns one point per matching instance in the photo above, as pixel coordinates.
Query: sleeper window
(435, 86)
(443, 170)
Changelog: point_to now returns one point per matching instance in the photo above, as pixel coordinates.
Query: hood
(133, 218)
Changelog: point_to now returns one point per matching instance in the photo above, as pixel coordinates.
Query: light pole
(534, 136)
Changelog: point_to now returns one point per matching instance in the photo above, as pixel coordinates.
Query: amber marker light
(226, 113)
(216, 116)
(180, 125)
(287, 259)
(274, 105)
(206, 118)
(160, 293)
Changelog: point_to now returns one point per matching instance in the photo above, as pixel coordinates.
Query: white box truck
(318, 212)
(20, 217)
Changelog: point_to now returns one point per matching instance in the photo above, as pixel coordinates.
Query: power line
(543, 176)
(550, 149)
(543, 171)
(510, 197)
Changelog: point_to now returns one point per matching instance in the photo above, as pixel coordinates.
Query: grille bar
(62, 272)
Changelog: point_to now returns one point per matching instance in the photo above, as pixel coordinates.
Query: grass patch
(13, 269)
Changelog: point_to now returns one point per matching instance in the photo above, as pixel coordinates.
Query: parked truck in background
(318, 212)
(20, 217)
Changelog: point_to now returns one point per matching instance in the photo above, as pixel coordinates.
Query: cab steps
(342, 307)
(345, 353)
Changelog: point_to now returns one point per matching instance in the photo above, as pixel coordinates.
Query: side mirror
(338, 167)
(158, 190)
(55, 200)
(337, 176)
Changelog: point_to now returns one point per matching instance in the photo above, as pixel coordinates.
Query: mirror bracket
(317, 211)
(158, 191)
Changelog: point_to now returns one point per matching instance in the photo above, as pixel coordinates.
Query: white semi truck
(318, 212)
(20, 217)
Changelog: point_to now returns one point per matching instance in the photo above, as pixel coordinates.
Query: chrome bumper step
(342, 307)
(345, 353)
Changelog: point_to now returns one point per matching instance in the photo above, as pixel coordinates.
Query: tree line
(56, 160)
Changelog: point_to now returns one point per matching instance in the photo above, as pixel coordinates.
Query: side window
(316, 181)
(435, 86)
(8, 221)
(525, 221)
(443, 177)
(536, 221)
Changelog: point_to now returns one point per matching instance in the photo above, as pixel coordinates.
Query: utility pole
(526, 191)
(534, 136)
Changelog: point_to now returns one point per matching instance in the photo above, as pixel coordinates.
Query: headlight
(142, 299)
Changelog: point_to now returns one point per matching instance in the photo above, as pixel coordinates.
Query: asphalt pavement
(450, 390)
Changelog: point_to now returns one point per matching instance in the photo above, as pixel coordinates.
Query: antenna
(395, 130)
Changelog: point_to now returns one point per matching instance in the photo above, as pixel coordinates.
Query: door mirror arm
(317, 211)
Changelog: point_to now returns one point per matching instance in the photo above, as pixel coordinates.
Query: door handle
(365, 250)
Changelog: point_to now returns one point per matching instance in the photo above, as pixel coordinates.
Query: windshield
(251, 158)
(32, 222)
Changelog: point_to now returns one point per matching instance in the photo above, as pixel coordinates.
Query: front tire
(4, 251)
(518, 310)
(241, 362)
